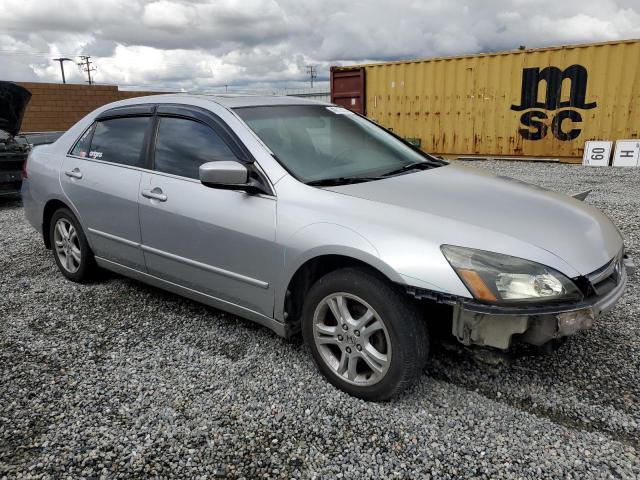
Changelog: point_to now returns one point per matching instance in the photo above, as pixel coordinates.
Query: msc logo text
(539, 112)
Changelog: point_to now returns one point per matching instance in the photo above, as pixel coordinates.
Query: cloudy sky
(206, 44)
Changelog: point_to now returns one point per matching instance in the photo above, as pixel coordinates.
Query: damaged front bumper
(495, 326)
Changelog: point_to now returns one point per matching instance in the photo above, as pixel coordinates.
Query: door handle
(155, 194)
(75, 173)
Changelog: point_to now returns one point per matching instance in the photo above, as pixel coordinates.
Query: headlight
(497, 278)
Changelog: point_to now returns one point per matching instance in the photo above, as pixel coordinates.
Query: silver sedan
(305, 217)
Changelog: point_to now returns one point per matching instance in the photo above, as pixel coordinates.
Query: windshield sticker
(340, 111)
(94, 154)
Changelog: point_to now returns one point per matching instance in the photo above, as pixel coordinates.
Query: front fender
(320, 239)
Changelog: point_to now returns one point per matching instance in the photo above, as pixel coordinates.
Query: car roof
(227, 100)
(234, 101)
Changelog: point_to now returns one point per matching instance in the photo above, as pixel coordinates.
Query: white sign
(627, 153)
(596, 153)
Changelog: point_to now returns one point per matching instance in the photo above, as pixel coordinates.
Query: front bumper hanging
(481, 324)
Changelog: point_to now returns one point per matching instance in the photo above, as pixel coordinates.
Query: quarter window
(120, 140)
(183, 145)
(83, 144)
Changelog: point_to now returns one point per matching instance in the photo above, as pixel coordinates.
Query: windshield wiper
(408, 167)
(329, 182)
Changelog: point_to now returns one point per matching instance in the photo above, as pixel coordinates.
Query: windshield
(317, 143)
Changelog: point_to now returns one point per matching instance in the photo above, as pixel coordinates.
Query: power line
(33, 54)
(87, 63)
(85, 66)
(25, 53)
(311, 71)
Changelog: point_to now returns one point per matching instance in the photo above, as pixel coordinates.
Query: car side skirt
(278, 327)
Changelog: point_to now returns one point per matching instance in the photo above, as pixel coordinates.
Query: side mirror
(224, 174)
(229, 175)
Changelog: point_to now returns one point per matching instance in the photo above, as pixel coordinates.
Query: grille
(607, 277)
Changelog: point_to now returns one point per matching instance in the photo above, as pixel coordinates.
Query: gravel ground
(118, 379)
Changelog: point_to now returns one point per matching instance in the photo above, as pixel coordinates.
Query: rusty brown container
(539, 103)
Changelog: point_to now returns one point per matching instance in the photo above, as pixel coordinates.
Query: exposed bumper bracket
(473, 328)
(495, 326)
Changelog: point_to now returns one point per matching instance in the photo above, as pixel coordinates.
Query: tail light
(24, 167)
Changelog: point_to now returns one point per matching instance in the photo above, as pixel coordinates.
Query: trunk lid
(13, 103)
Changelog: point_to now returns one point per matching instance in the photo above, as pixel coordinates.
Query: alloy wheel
(352, 339)
(67, 245)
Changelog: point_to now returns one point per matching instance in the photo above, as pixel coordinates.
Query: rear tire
(70, 248)
(367, 337)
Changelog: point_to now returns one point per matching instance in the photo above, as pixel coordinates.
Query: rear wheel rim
(352, 339)
(67, 245)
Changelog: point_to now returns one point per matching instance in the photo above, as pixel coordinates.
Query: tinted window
(183, 145)
(83, 144)
(119, 140)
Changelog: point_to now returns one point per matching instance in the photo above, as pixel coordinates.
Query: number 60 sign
(596, 153)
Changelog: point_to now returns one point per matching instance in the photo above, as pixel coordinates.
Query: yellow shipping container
(542, 102)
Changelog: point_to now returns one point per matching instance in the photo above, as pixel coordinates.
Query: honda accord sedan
(305, 217)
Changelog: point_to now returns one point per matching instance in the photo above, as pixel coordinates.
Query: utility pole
(85, 66)
(311, 71)
(62, 60)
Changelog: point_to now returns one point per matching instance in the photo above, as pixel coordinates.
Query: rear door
(101, 177)
(218, 242)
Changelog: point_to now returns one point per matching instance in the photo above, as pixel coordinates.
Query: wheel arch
(313, 251)
(49, 209)
(289, 307)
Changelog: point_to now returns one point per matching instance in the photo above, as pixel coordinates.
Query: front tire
(70, 248)
(366, 337)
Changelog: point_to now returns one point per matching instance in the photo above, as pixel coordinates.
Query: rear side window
(119, 140)
(183, 145)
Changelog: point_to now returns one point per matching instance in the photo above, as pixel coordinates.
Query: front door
(101, 177)
(218, 242)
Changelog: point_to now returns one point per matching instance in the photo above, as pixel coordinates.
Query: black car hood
(13, 103)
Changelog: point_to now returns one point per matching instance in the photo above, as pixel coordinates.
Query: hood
(13, 103)
(572, 230)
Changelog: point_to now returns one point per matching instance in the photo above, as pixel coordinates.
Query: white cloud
(171, 15)
(208, 43)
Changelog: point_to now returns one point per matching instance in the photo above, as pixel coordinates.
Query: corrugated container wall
(540, 103)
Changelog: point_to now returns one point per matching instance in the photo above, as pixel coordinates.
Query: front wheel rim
(352, 339)
(67, 245)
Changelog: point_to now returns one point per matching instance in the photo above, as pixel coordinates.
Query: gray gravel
(118, 379)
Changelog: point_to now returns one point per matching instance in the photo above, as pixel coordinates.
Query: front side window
(119, 140)
(183, 145)
(318, 143)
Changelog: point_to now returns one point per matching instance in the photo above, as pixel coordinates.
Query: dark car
(13, 149)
